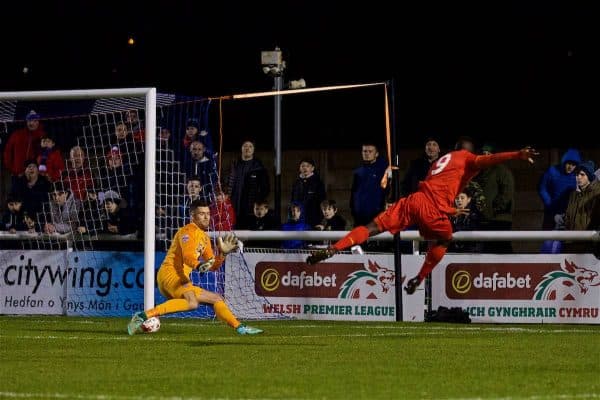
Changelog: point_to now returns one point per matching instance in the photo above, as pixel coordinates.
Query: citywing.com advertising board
(60, 282)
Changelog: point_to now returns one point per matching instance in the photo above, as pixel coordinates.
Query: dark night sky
(509, 71)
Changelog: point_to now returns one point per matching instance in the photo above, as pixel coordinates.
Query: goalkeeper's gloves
(204, 266)
(227, 244)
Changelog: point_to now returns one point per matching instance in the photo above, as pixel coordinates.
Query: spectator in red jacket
(23, 144)
(50, 161)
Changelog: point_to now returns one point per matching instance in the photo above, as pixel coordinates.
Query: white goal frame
(149, 94)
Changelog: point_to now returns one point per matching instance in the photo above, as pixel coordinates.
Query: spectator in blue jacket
(556, 185)
(295, 222)
(367, 197)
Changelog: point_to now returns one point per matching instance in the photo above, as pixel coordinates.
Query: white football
(151, 325)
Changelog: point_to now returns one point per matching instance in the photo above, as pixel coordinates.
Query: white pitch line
(23, 395)
(535, 397)
(422, 327)
(150, 337)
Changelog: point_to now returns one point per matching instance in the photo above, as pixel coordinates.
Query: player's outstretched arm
(486, 161)
(528, 154)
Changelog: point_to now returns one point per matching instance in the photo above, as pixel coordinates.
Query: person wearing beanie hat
(588, 167)
(582, 202)
(192, 122)
(418, 168)
(192, 127)
(32, 116)
(23, 144)
(119, 219)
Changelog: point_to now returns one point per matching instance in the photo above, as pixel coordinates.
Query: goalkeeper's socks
(224, 314)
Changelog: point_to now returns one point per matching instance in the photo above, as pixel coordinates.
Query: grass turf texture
(94, 358)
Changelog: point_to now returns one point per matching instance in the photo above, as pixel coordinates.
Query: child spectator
(194, 192)
(13, 219)
(470, 199)
(193, 132)
(119, 221)
(50, 161)
(222, 215)
(64, 210)
(32, 188)
(262, 218)
(295, 222)
(332, 221)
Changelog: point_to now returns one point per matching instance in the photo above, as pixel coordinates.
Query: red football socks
(357, 235)
(433, 257)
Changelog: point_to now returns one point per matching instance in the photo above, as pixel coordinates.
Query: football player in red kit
(429, 207)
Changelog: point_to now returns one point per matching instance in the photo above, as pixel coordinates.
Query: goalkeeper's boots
(135, 325)
(320, 255)
(247, 330)
(412, 285)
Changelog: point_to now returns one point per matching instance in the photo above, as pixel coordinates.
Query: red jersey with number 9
(447, 177)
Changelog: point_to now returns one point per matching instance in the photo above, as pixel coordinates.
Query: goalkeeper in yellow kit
(191, 249)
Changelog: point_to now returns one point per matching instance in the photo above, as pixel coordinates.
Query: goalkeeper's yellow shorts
(173, 286)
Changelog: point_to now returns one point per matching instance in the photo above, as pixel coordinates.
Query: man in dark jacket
(248, 182)
(308, 189)
(418, 168)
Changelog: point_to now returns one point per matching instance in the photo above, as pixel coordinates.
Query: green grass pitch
(93, 358)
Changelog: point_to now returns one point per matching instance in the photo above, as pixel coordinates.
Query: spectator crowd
(75, 192)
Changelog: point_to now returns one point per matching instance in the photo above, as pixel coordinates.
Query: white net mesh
(77, 247)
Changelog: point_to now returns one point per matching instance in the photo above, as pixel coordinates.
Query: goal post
(149, 93)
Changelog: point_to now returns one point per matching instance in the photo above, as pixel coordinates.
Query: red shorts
(416, 209)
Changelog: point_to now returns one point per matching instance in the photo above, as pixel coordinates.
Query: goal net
(76, 206)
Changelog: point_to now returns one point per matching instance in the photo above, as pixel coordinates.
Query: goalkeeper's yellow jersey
(190, 246)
